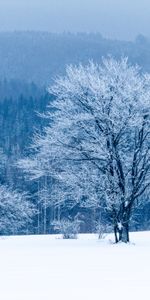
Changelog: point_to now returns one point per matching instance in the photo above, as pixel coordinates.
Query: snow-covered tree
(97, 140)
(16, 211)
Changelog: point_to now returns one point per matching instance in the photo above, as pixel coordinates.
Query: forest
(36, 202)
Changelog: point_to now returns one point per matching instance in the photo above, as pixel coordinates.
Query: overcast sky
(121, 19)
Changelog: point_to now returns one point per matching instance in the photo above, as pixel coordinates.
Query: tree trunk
(115, 233)
(122, 234)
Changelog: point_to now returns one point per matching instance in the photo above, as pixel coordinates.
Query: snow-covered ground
(49, 268)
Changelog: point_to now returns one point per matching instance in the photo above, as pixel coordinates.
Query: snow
(48, 267)
(119, 225)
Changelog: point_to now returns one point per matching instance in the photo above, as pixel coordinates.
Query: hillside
(39, 56)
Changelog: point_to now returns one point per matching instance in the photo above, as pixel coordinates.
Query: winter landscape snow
(74, 150)
(49, 267)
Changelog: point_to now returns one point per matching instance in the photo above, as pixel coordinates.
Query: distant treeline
(40, 56)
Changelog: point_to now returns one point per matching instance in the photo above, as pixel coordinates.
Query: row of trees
(39, 56)
(94, 153)
(16, 210)
(19, 103)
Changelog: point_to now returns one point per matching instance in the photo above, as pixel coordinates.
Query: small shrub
(69, 229)
(102, 230)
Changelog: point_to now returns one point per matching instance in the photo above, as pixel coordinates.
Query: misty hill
(39, 56)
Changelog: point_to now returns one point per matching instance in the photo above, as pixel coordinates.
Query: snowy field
(49, 268)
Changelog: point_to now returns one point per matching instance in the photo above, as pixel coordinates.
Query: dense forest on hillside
(39, 56)
(28, 63)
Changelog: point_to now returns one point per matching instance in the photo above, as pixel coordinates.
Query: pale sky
(120, 19)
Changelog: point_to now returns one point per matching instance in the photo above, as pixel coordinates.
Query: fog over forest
(117, 19)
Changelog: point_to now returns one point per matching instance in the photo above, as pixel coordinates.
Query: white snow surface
(49, 268)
